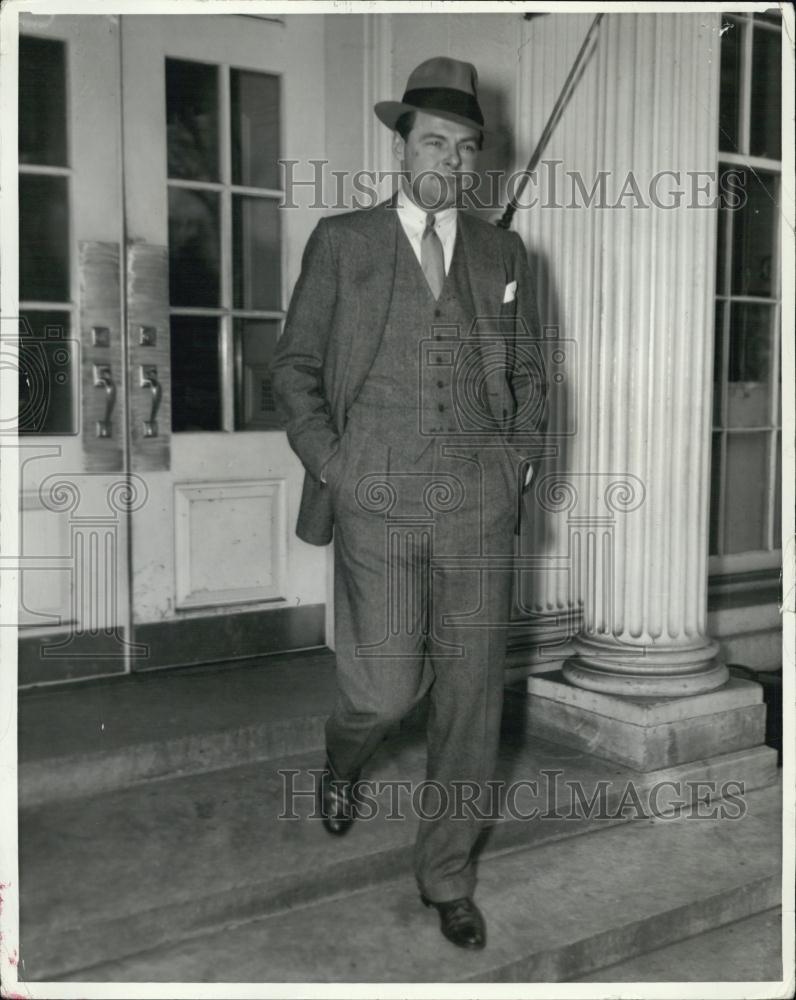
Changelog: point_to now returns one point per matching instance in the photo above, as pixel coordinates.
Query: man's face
(434, 157)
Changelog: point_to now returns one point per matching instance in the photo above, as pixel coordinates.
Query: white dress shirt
(413, 221)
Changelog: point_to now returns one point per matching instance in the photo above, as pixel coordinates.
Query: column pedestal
(647, 733)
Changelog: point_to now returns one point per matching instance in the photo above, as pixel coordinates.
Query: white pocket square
(510, 293)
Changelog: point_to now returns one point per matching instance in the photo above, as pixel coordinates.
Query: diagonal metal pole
(505, 220)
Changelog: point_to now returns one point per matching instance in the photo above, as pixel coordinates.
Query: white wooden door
(211, 103)
(74, 606)
(159, 496)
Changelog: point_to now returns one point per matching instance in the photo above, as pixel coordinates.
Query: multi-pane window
(225, 272)
(47, 397)
(747, 414)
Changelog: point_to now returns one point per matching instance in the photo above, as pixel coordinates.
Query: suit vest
(407, 400)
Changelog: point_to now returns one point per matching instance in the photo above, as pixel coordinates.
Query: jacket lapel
(488, 279)
(373, 264)
(485, 267)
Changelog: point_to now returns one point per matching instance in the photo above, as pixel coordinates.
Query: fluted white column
(634, 287)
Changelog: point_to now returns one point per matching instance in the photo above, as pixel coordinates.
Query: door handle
(149, 380)
(103, 379)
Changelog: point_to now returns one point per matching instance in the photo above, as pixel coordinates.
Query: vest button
(437, 313)
(440, 383)
(441, 407)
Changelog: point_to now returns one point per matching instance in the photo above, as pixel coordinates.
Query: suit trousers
(420, 610)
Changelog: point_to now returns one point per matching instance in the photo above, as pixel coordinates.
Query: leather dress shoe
(337, 804)
(461, 922)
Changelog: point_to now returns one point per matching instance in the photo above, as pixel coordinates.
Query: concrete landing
(554, 913)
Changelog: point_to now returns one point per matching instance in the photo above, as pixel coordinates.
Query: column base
(547, 640)
(646, 733)
(649, 671)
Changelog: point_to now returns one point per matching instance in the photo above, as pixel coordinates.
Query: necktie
(432, 259)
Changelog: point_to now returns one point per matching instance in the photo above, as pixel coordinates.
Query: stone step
(111, 733)
(746, 951)
(119, 872)
(556, 912)
(106, 734)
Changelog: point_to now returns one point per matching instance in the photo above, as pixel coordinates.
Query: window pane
(778, 497)
(42, 102)
(778, 387)
(715, 493)
(47, 356)
(746, 487)
(718, 363)
(764, 122)
(255, 128)
(192, 120)
(730, 92)
(256, 266)
(43, 238)
(749, 389)
(195, 374)
(255, 340)
(193, 248)
(721, 250)
(754, 227)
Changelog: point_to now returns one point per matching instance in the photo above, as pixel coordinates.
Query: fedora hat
(440, 86)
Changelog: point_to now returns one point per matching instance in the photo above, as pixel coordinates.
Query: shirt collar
(416, 217)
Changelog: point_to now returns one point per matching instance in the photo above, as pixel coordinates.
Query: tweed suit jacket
(334, 326)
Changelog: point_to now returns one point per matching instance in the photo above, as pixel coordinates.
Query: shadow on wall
(542, 534)
(771, 682)
(498, 157)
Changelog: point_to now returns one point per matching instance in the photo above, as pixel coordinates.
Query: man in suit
(404, 383)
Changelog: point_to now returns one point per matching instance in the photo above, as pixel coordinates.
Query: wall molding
(377, 86)
(191, 570)
(58, 566)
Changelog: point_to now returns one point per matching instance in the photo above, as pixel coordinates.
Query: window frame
(69, 306)
(230, 375)
(770, 557)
